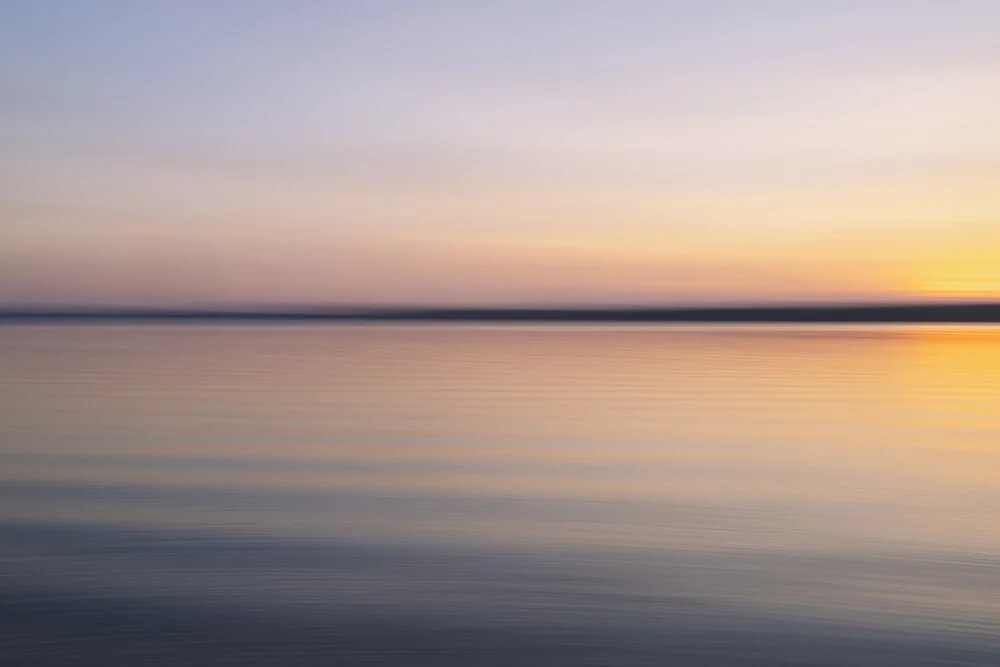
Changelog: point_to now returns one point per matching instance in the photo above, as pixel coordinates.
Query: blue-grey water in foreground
(674, 496)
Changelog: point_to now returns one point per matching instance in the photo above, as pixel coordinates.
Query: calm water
(453, 495)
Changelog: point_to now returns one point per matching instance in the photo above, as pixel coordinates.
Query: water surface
(512, 495)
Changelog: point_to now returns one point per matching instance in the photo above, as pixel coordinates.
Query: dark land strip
(824, 313)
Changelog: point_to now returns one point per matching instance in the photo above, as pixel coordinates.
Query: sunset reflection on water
(698, 478)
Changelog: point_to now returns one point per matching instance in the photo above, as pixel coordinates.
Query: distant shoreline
(832, 313)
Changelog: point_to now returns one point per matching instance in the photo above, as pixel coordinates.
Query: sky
(502, 152)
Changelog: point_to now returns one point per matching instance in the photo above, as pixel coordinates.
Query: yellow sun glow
(964, 289)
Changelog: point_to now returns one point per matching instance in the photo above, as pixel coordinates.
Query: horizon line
(904, 312)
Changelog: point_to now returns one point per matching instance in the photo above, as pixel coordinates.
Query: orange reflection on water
(863, 433)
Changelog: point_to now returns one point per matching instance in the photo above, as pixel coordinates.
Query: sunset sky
(498, 151)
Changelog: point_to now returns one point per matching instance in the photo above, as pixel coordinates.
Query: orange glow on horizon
(962, 267)
(965, 290)
(963, 280)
